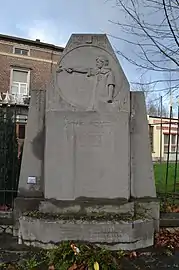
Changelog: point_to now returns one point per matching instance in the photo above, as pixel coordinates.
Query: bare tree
(153, 100)
(154, 108)
(151, 34)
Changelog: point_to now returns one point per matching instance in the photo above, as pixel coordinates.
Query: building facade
(159, 137)
(24, 65)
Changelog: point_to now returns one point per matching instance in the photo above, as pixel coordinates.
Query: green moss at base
(81, 217)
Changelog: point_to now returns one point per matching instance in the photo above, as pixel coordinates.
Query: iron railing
(10, 157)
(166, 169)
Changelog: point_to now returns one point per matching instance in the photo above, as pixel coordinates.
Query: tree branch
(170, 26)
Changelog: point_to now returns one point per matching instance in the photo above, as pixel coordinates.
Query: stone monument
(87, 155)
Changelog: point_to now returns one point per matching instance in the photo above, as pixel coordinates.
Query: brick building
(24, 65)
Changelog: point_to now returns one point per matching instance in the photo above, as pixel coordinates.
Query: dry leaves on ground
(167, 238)
(172, 209)
(77, 267)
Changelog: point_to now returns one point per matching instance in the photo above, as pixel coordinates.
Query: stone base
(115, 224)
(150, 209)
(115, 235)
(87, 207)
(6, 229)
(6, 222)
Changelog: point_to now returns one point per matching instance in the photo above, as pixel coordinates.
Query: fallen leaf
(96, 266)
(176, 210)
(51, 267)
(133, 254)
(75, 249)
(73, 267)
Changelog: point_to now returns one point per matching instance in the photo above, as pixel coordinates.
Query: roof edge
(31, 42)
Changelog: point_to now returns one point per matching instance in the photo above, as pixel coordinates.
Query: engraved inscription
(100, 123)
(111, 233)
(74, 122)
(90, 139)
(108, 234)
(79, 122)
(91, 133)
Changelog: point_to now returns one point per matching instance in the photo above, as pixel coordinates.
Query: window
(173, 143)
(172, 147)
(21, 132)
(20, 82)
(151, 133)
(166, 138)
(21, 51)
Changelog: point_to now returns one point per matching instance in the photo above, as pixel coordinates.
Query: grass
(160, 177)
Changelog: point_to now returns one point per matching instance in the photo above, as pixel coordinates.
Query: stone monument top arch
(89, 76)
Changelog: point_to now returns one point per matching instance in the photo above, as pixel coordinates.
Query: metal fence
(166, 169)
(10, 155)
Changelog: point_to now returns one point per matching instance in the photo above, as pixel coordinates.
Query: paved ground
(151, 259)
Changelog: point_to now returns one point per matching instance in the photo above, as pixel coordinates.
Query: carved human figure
(104, 81)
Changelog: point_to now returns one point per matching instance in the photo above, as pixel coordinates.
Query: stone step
(6, 218)
(10, 243)
(87, 207)
(114, 235)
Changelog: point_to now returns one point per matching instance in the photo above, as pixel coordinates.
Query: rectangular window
(166, 137)
(173, 143)
(172, 147)
(20, 82)
(21, 132)
(21, 51)
(151, 136)
(173, 139)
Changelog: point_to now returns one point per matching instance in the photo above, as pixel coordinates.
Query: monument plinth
(89, 153)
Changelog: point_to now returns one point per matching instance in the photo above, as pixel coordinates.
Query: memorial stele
(87, 153)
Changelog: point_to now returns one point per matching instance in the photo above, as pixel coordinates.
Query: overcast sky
(53, 21)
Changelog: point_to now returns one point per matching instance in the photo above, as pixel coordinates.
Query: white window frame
(21, 48)
(28, 81)
(171, 145)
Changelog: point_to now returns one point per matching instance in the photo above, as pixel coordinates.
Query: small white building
(159, 137)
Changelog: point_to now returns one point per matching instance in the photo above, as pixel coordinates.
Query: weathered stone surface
(142, 175)
(49, 207)
(6, 229)
(94, 163)
(149, 209)
(86, 207)
(88, 140)
(32, 159)
(89, 110)
(126, 208)
(22, 205)
(169, 220)
(137, 233)
(84, 75)
(6, 218)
